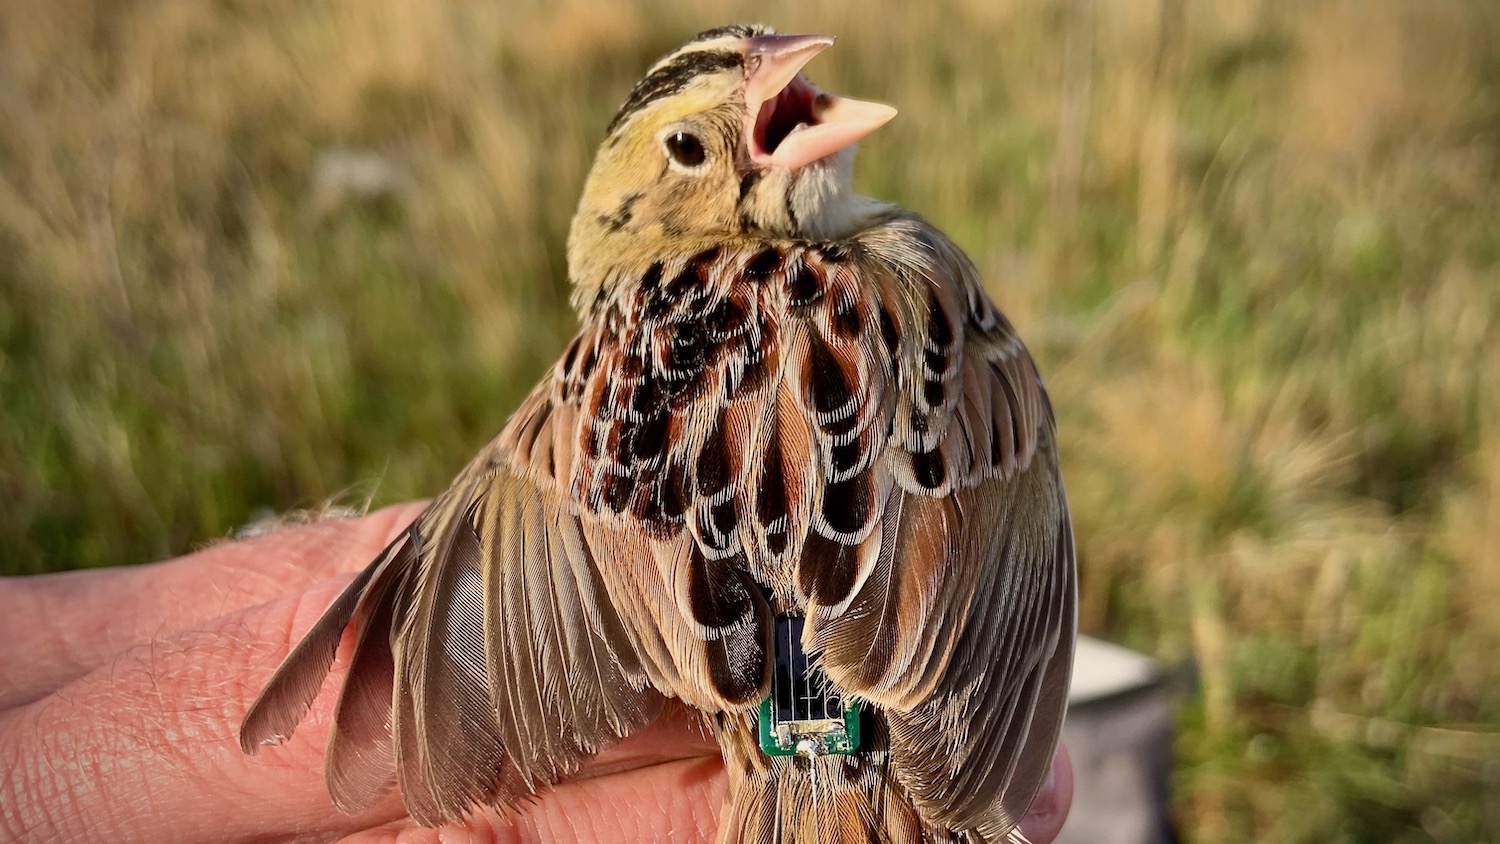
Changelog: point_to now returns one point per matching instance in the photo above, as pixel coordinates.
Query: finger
(1044, 821)
(677, 801)
(673, 801)
(678, 733)
(145, 746)
(69, 624)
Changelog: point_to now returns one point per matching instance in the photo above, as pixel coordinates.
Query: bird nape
(795, 471)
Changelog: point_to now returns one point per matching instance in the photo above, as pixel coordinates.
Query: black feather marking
(724, 518)
(929, 469)
(997, 456)
(939, 330)
(647, 507)
(826, 381)
(833, 253)
(841, 425)
(616, 492)
(847, 506)
(645, 398)
(685, 362)
(690, 283)
(648, 438)
(683, 286)
(737, 664)
(771, 507)
(760, 340)
(932, 391)
(765, 264)
(726, 321)
(888, 332)
(713, 465)
(803, 286)
(674, 497)
(701, 261)
(652, 278)
(733, 30)
(716, 594)
(749, 181)
(622, 215)
(661, 501)
(843, 458)
(586, 366)
(846, 320)
(715, 531)
(570, 354)
(671, 78)
(776, 540)
(828, 569)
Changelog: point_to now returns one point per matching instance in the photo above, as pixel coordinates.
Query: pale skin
(121, 692)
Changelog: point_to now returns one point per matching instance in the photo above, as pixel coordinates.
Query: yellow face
(723, 138)
(673, 167)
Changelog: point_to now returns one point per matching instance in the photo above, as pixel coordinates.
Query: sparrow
(795, 471)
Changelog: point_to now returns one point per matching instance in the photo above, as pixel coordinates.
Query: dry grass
(1255, 244)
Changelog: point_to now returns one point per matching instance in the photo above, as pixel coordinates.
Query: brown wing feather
(284, 702)
(961, 626)
(361, 761)
(486, 635)
(439, 654)
(1007, 674)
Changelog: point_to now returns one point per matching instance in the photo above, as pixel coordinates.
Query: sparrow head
(721, 138)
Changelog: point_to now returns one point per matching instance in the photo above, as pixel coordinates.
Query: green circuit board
(804, 715)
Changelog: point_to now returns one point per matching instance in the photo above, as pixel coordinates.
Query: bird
(795, 472)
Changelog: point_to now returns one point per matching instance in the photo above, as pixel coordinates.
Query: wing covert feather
(961, 628)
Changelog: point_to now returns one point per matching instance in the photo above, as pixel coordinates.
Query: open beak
(792, 123)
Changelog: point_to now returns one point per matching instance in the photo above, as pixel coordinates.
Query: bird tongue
(794, 123)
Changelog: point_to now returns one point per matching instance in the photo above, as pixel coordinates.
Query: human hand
(122, 690)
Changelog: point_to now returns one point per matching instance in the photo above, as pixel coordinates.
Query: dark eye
(685, 149)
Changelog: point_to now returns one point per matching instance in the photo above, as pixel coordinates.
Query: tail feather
(853, 799)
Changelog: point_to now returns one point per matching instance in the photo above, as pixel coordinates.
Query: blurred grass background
(257, 254)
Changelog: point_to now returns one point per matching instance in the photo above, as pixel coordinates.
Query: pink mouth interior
(781, 114)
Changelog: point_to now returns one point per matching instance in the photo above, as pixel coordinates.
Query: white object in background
(1119, 736)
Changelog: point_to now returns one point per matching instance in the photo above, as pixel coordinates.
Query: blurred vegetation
(257, 254)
